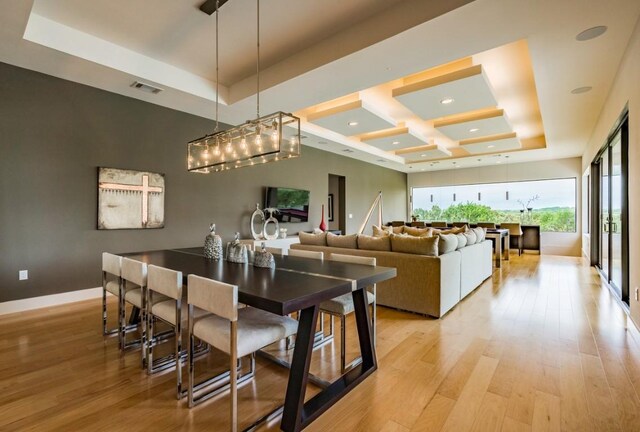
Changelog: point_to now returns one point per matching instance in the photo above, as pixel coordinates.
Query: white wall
(625, 90)
(551, 243)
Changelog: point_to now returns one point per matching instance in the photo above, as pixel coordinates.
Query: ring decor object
(257, 216)
(213, 244)
(272, 220)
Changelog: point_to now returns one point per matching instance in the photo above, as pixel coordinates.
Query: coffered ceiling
(508, 66)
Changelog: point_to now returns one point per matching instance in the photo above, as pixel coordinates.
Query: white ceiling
(355, 121)
(492, 146)
(317, 51)
(396, 142)
(466, 130)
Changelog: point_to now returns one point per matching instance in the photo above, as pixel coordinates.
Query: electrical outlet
(23, 275)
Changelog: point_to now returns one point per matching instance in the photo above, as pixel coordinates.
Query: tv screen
(293, 204)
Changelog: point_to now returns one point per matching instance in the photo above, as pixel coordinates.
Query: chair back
(354, 259)
(418, 224)
(515, 229)
(274, 250)
(487, 225)
(134, 271)
(306, 254)
(216, 297)
(165, 281)
(397, 223)
(112, 264)
(439, 224)
(459, 224)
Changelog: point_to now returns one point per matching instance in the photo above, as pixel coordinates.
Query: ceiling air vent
(148, 88)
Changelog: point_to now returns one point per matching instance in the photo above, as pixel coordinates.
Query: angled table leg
(298, 414)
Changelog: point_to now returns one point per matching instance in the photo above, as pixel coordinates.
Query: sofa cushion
(415, 245)
(481, 233)
(374, 243)
(462, 240)
(447, 243)
(418, 232)
(313, 239)
(455, 230)
(381, 231)
(471, 236)
(342, 241)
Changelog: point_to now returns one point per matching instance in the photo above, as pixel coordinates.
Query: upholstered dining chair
(418, 224)
(439, 224)
(274, 250)
(459, 224)
(515, 230)
(491, 225)
(306, 254)
(397, 223)
(164, 302)
(343, 306)
(236, 332)
(134, 287)
(111, 283)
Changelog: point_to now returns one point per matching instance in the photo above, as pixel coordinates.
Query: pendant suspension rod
(258, 60)
(217, 69)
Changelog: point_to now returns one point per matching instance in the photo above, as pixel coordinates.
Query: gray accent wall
(55, 133)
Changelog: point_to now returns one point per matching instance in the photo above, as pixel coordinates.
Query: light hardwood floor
(541, 345)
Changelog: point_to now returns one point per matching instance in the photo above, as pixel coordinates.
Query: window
(548, 203)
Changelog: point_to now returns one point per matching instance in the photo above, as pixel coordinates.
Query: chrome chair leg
(178, 332)
(342, 343)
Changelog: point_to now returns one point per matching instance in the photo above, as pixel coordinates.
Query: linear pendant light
(265, 139)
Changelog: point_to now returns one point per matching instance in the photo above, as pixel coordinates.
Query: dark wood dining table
(295, 284)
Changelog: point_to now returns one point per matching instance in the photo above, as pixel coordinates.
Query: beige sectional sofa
(430, 285)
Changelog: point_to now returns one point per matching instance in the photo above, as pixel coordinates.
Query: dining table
(294, 284)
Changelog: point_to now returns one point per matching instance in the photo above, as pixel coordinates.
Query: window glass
(548, 203)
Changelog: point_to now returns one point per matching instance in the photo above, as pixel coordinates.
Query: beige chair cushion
(382, 231)
(462, 240)
(113, 287)
(343, 305)
(471, 236)
(313, 239)
(374, 243)
(342, 241)
(134, 296)
(481, 234)
(418, 232)
(256, 329)
(447, 243)
(415, 245)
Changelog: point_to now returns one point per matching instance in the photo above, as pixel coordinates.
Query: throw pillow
(398, 229)
(455, 230)
(481, 233)
(342, 241)
(366, 242)
(415, 245)
(381, 231)
(418, 232)
(313, 239)
(471, 237)
(447, 243)
(462, 241)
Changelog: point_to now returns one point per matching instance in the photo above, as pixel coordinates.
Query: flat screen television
(293, 204)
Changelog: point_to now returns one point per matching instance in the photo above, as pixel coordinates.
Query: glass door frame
(622, 127)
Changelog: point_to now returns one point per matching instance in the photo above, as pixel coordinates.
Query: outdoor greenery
(556, 219)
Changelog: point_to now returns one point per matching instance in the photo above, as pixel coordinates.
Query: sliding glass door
(611, 165)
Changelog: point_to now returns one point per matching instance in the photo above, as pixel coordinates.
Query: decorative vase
(323, 224)
(257, 217)
(271, 220)
(213, 244)
(237, 252)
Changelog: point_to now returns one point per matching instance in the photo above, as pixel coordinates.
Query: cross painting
(130, 199)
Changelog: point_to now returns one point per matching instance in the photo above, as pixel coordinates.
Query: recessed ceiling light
(423, 155)
(498, 161)
(353, 123)
(474, 130)
(580, 90)
(446, 101)
(395, 142)
(490, 146)
(591, 33)
(422, 169)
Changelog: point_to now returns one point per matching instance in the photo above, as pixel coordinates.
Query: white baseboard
(49, 300)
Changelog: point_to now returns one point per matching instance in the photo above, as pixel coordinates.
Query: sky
(551, 193)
